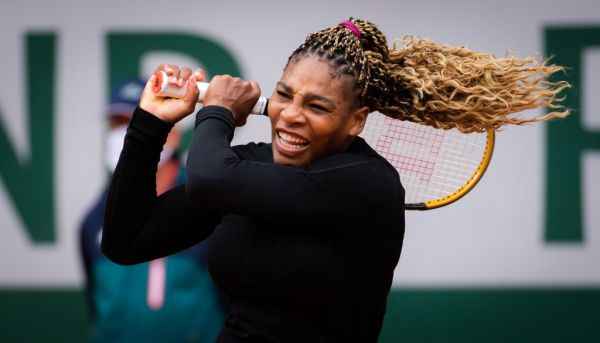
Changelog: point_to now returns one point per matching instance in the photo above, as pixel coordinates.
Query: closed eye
(283, 95)
(318, 108)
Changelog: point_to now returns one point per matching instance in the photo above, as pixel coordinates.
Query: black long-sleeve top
(303, 253)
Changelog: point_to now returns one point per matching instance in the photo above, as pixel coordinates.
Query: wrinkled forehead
(319, 73)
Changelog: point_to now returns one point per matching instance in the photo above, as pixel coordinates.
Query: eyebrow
(308, 95)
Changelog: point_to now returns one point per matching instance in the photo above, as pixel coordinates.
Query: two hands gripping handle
(162, 87)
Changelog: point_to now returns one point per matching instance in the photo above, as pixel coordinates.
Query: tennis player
(307, 229)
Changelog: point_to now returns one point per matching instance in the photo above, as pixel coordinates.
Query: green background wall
(458, 315)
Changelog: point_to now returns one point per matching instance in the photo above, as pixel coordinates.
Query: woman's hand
(233, 93)
(170, 109)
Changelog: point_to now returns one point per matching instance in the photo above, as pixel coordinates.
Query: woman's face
(312, 112)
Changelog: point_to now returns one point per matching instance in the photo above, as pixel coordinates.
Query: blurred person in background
(170, 299)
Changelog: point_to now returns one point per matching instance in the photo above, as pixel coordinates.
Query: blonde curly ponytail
(435, 84)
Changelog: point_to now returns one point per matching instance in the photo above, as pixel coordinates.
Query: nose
(293, 114)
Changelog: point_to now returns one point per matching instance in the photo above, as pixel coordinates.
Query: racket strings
(432, 163)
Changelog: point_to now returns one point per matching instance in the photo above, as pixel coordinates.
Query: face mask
(114, 144)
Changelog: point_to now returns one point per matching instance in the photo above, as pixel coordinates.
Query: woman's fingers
(169, 69)
(191, 95)
(255, 88)
(233, 93)
(183, 76)
(171, 109)
(200, 75)
(173, 72)
(179, 76)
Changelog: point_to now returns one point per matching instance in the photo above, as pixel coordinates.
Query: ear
(359, 118)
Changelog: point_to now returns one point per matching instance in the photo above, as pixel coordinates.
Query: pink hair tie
(352, 27)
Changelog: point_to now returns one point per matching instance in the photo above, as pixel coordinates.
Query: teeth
(292, 140)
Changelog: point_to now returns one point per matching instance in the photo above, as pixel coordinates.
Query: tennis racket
(437, 167)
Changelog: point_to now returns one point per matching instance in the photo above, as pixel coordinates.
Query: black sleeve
(341, 188)
(138, 225)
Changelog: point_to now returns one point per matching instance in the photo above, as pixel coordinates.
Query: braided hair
(435, 84)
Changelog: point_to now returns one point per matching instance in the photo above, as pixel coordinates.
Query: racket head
(437, 167)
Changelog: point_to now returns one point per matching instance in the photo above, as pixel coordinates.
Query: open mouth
(290, 143)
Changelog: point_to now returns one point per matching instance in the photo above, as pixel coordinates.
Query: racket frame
(467, 186)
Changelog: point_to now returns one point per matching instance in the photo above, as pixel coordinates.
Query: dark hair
(435, 84)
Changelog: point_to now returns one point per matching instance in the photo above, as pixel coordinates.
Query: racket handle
(162, 88)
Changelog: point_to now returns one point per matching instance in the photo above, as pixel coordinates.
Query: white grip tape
(164, 89)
